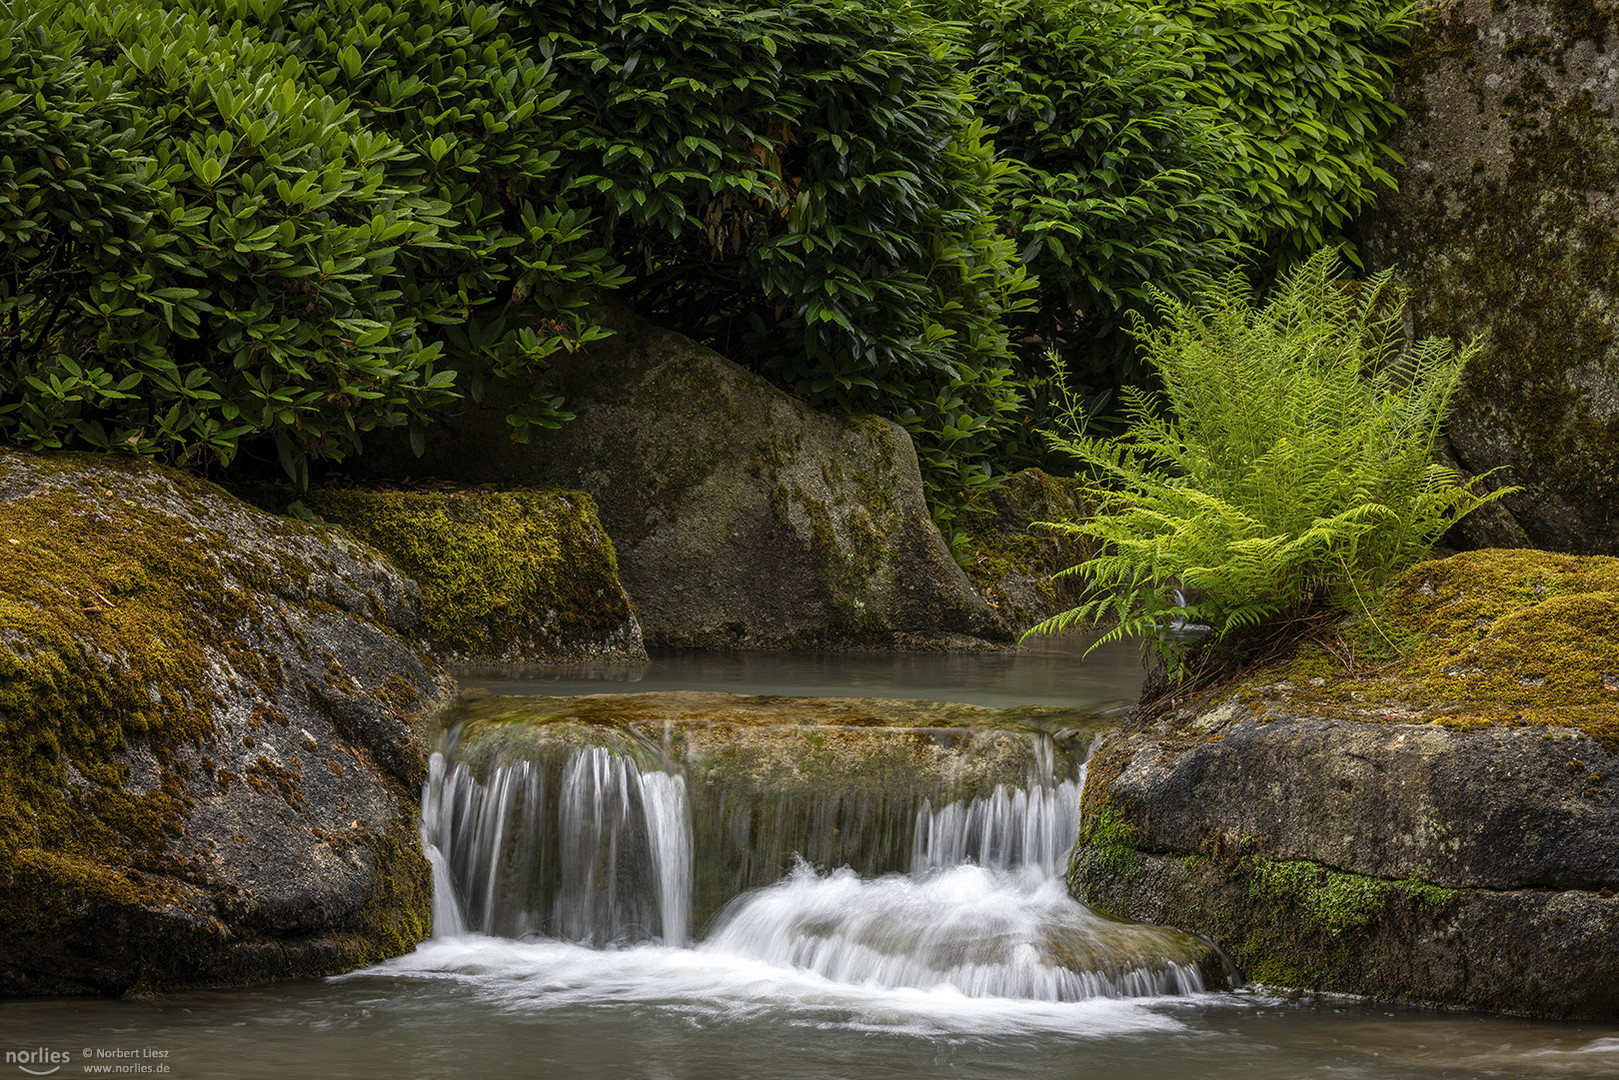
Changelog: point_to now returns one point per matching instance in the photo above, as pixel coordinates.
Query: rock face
(1506, 224)
(1014, 557)
(210, 756)
(1442, 827)
(741, 517)
(505, 576)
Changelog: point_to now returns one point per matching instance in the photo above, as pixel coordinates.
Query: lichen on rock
(1506, 225)
(209, 737)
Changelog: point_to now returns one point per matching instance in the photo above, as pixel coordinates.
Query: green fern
(1286, 466)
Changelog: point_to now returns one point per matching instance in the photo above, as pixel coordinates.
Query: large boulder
(1506, 225)
(742, 518)
(1438, 825)
(210, 744)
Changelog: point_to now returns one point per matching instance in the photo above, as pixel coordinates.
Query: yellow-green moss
(106, 606)
(1308, 926)
(1483, 638)
(502, 573)
(1111, 838)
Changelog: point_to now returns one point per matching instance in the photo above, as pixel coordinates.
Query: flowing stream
(614, 910)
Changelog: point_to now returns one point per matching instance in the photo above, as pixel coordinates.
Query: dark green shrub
(1122, 184)
(806, 187)
(205, 243)
(1157, 143)
(1307, 82)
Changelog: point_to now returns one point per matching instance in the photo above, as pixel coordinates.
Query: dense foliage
(1307, 85)
(273, 226)
(1121, 182)
(1288, 466)
(222, 223)
(805, 186)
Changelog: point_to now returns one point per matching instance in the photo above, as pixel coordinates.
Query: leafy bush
(1158, 143)
(1122, 184)
(1288, 465)
(206, 243)
(806, 187)
(1307, 83)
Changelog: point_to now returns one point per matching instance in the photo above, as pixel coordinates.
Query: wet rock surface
(211, 737)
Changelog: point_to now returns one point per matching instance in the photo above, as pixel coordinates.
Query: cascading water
(596, 845)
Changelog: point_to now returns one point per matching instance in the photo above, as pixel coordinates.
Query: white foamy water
(979, 932)
(714, 985)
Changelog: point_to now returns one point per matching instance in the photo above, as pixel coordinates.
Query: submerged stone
(209, 742)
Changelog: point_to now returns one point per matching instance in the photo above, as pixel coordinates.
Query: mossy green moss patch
(521, 574)
(109, 607)
(1285, 923)
(1495, 637)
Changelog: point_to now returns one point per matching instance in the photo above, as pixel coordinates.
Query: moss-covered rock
(1506, 224)
(209, 744)
(1418, 807)
(742, 518)
(520, 575)
(1011, 559)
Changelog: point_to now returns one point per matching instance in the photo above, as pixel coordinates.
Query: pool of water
(1052, 673)
(485, 1007)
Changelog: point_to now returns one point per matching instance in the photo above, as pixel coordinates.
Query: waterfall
(615, 842)
(957, 886)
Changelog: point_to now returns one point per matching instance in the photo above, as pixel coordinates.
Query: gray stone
(1504, 224)
(1462, 868)
(742, 518)
(1498, 809)
(210, 737)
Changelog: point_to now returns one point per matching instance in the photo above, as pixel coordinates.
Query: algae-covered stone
(742, 518)
(1011, 554)
(1505, 224)
(209, 746)
(1421, 807)
(522, 575)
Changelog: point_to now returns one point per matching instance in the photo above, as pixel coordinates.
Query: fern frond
(1287, 462)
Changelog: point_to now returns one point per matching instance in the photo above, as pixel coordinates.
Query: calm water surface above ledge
(1055, 673)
